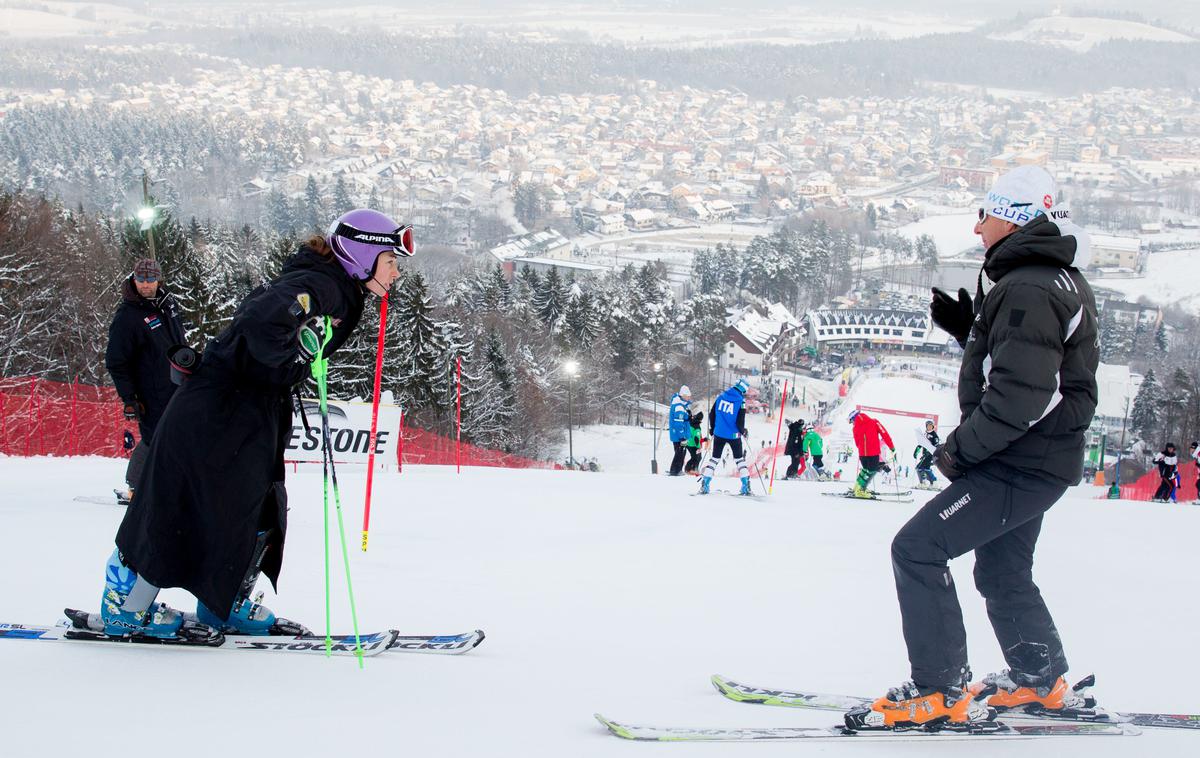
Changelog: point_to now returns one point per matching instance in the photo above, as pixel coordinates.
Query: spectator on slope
(695, 444)
(680, 427)
(925, 475)
(868, 433)
(1027, 394)
(727, 427)
(211, 511)
(1167, 463)
(794, 449)
(145, 327)
(1195, 456)
(815, 447)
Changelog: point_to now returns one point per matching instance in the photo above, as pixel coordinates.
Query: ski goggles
(400, 241)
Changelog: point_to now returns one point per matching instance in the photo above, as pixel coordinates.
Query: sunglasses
(145, 279)
(982, 215)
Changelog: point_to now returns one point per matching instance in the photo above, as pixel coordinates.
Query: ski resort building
(1119, 253)
(874, 328)
(759, 339)
(544, 244)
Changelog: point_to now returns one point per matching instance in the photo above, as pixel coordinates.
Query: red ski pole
(778, 429)
(458, 417)
(383, 308)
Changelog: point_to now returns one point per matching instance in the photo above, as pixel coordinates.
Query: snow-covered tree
(1146, 414)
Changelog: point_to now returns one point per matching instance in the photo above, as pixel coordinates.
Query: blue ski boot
(704, 482)
(745, 486)
(250, 616)
(128, 608)
(246, 617)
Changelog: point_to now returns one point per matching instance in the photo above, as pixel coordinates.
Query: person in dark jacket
(794, 449)
(145, 326)
(211, 513)
(1168, 467)
(924, 456)
(1027, 393)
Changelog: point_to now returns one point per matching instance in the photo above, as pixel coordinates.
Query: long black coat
(795, 439)
(136, 357)
(214, 477)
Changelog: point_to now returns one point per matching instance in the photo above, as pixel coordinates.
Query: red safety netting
(426, 448)
(42, 417)
(1144, 487)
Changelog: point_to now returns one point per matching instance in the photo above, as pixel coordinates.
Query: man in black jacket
(794, 449)
(1027, 393)
(145, 326)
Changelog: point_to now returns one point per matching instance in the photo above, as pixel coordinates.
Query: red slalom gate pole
(458, 417)
(72, 442)
(778, 429)
(383, 309)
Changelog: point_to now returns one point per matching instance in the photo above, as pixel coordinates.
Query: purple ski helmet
(359, 236)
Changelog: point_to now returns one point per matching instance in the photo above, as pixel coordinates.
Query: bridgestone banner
(349, 431)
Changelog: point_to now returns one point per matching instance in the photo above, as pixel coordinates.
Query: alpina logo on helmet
(364, 237)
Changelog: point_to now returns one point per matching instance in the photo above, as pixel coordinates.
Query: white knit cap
(1027, 192)
(685, 391)
(1021, 195)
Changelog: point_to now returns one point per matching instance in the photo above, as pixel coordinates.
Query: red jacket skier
(867, 435)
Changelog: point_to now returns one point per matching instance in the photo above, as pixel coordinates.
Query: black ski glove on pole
(954, 316)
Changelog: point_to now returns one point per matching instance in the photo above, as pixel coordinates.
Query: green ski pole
(320, 372)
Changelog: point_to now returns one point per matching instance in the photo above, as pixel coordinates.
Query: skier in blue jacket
(680, 427)
(727, 425)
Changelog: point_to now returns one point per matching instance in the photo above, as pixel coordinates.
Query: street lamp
(148, 213)
(570, 368)
(658, 367)
(712, 364)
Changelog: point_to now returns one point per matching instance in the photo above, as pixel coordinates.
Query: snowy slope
(606, 592)
(1081, 34)
(1171, 277)
(953, 233)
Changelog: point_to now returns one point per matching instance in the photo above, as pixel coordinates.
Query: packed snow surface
(610, 592)
(1171, 277)
(952, 233)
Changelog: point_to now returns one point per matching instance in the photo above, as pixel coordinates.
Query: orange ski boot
(1016, 691)
(913, 706)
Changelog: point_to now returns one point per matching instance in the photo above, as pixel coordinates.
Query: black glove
(954, 316)
(947, 464)
(133, 410)
(309, 340)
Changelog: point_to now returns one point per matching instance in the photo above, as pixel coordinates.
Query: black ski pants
(794, 467)
(1164, 489)
(997, 512)
(693, 461)
(677, 459)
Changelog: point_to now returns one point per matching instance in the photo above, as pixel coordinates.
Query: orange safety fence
(43, 417)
